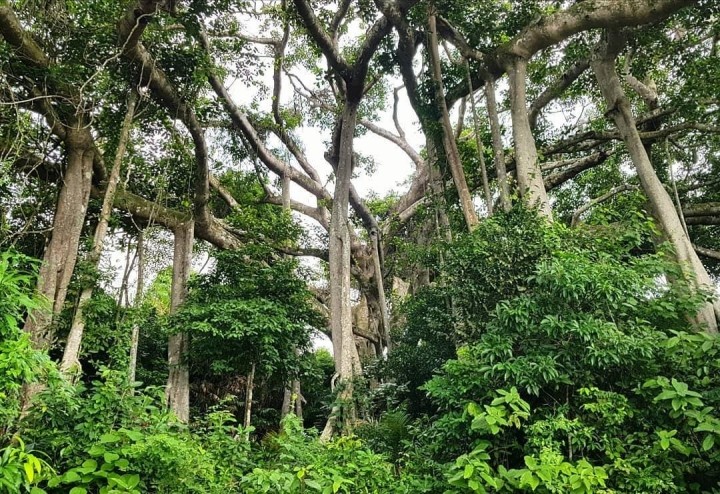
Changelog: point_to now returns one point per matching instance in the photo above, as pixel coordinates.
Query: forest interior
(359, 246)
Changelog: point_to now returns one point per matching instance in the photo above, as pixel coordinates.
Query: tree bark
(292, 389)
(135, 334)
(380, 287)
(177, 390)
(479, 143)
(497, 144)
(62, 250)
(529, 175)
(70, 360)
(340, 305)
(451, 151)
(661, 205)
(249, 386)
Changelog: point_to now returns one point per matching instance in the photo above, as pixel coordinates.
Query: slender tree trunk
(497, 144)
(61, 252)
(660, 202)
(451, 151)
(74, 339)
(479, 143)
(249, 386)
(177, 391)
(380, 286)
(529, 176)
(343, 339)
(292, 389)
(135, 335)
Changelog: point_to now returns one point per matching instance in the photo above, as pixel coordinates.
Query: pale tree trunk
(292, 389)
(529, 176)
(249, 386)
(347, 364)
(62, 250)
(479, 143)
(177, 391)
(451, 151)
(135, 334)
(380, 287)
(70, 360)
(660, 201)
(497, 144)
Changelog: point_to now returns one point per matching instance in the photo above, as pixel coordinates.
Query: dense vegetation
(535, 310)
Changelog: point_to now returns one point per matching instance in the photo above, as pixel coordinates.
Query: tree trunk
(292, 389)
(249, 386)
(177, 391)
(380, 287)
(343, 340)
(70, 359)
(135, 335)
(498, 153)
(451, 151)
(61, 252)
(479, 143)
(660, 202)
(529, 176)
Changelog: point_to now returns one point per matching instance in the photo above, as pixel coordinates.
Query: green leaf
(110, 457)
(708, 442)
(78, 490)
(29, 472)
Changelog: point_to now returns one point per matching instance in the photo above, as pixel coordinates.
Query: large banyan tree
(143, 106)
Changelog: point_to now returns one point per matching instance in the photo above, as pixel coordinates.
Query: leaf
(110, 437)
(71, 476)
(78, 490)
(111, 457)
(29, 472)
(708, 442)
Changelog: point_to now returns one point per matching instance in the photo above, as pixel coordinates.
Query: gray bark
(498, 153)
(70, 361)
(661, 204)
(451, 151)
(135, 335)
(529, 175)
(479, 143)
(61, 252)
(344, 350)
(177, 391)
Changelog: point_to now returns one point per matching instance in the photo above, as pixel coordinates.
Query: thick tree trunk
(497, 144)
(660, 202)
(451, 151)
(61, 252)
(135, 334)
(70, 359)
(529, 176)
(343, 340)
(177, 391)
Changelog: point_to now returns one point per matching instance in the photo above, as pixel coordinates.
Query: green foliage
(110, 438)
(298, 463)
(607, 388)
(20, 364)
(248, 310)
